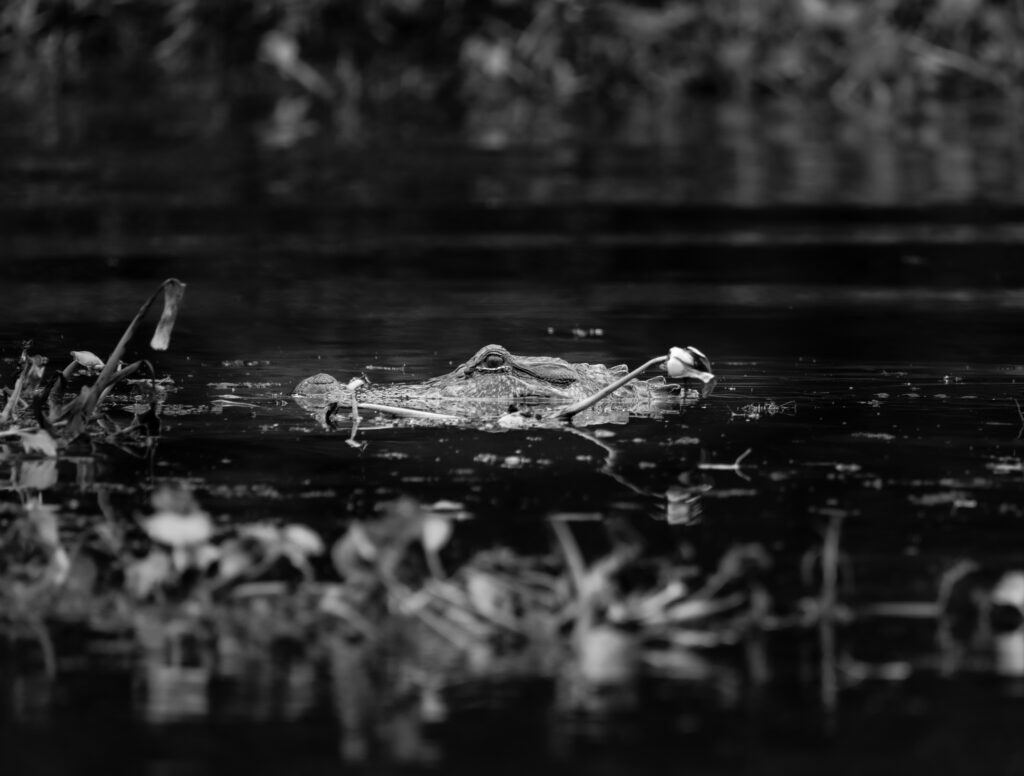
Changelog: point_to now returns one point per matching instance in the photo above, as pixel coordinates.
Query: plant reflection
(244, 621)
(400, 621)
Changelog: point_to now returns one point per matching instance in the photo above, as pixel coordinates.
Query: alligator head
(494, 373)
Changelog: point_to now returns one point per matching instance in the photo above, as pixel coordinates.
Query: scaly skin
(494, 379)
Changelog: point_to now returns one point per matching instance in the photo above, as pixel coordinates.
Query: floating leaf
(174, 291)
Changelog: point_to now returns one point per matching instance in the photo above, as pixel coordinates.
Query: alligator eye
(493, 361)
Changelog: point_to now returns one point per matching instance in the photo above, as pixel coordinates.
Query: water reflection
(87, 199)
(225, 626)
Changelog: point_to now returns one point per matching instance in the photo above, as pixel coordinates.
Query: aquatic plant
(38, 414)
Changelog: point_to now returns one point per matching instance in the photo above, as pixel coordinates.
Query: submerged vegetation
(345, 63)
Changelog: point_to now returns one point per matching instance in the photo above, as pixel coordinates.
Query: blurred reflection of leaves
(37, 474)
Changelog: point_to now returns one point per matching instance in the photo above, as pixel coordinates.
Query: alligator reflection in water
(494, 383)
(498, 391)
(678, 502)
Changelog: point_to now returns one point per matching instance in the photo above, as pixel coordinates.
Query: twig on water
(1020, 414)
(402, 412)
(729, 467)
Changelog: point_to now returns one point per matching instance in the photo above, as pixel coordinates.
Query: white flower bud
(678, 361)
(688, 362)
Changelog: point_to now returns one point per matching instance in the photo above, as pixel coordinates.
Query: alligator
(495, 382)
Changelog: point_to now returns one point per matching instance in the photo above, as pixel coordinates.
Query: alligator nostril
(493, 361)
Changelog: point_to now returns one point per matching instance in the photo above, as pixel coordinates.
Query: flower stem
(567, 412)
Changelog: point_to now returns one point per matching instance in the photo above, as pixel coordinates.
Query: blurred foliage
(400, 609)
(344, 61)
(410, 620)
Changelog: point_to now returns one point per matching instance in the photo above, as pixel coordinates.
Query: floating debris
(245, 362)
(1006, 466)
(759, 410)
(577, 332)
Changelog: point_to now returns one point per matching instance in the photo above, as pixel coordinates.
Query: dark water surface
(867, 352)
